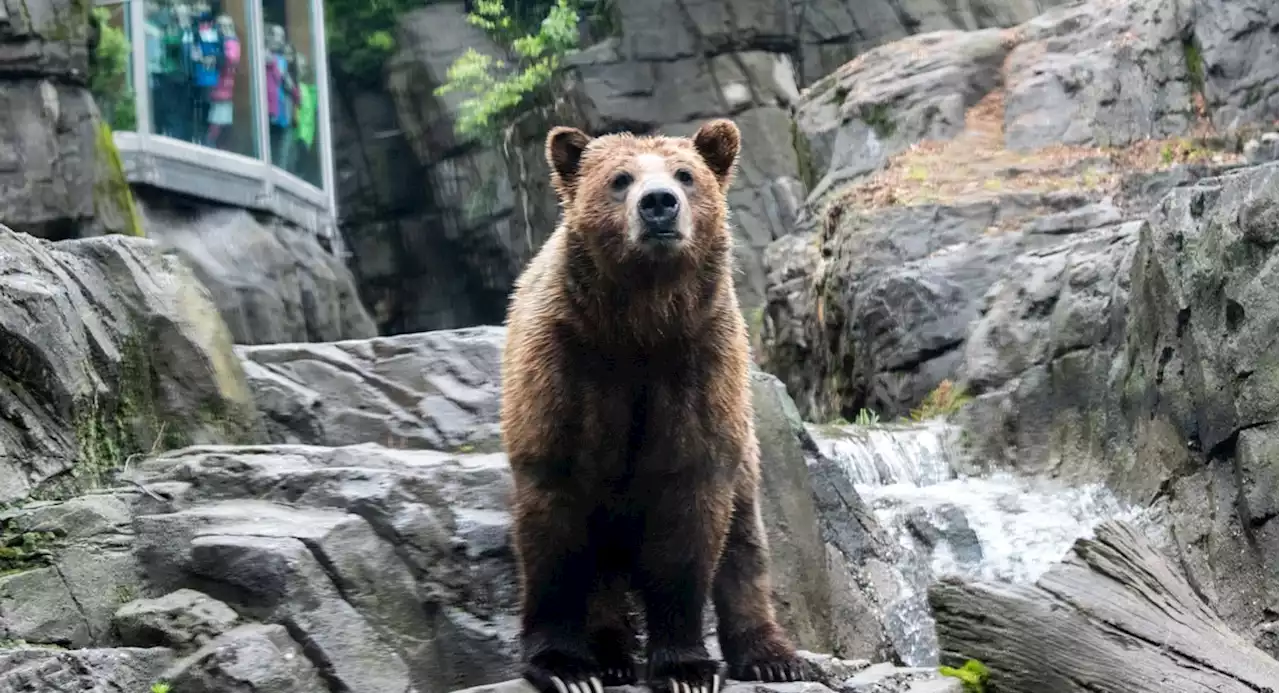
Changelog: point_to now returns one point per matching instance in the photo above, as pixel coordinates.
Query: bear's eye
(621, 181)
(684, 176)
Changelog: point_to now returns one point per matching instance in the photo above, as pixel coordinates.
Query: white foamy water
(996, 527)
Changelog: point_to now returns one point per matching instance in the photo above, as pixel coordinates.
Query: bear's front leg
(557, 570)
(754, 645)
(685, 529)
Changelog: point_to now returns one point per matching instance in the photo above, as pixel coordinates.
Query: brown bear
(626, 414)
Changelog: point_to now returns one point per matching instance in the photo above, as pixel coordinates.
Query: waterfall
(994, 527)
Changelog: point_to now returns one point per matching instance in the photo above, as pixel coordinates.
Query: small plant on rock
(161, 687)
(945, 400)
(973, 675)
(866, 417)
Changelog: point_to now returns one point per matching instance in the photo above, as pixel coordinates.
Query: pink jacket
(223, 90)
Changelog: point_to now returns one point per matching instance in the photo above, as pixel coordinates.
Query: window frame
(228, 177)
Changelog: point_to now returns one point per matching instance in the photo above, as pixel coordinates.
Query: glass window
(292, 104)
(110, 71)
(198, 62)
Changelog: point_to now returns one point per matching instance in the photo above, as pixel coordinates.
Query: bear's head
(634, 200)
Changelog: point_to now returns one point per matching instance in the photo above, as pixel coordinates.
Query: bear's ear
(564, 156)
(718, 141)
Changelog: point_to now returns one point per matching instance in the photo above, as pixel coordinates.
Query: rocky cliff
(1060, 218)
(439, 237)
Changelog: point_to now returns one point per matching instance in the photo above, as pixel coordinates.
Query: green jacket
(306, 125)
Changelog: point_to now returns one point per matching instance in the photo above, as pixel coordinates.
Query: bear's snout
(660, 210)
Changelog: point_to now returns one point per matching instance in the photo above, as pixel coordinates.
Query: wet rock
(1116, 612)
(248, 659)
(110, 348)
(272, 282)
(947, 527)
(121, 670)
(182, 620)
(433, 390)
(1146, 358)
(77, 569)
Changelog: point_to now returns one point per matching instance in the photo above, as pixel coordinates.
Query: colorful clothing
(224, 90)
(176, 58)
(209, 45)
(281, 92)
(307, 114)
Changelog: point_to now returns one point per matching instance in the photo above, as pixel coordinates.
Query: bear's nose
(658, 210)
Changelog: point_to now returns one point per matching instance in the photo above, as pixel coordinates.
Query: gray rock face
(115, 670)
(877, 316)
(181, 620)
(1100, 72)
(1148, 360)
(54, 179)
(110, 348)
(893, 96)
(832, 32)
(433, 390)
(272, 282)
(249, 659)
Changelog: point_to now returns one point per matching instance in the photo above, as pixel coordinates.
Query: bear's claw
(773, 671)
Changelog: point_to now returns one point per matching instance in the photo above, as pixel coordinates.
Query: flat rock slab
(1114, 616)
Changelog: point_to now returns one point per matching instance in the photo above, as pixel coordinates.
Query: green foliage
(112, 188)
(360, 35)
(879, 117)
(1195, 64)
(21, 551)
(109, 73)
(866, 417)
(500, 87)
(973, 675)
(945, 400)
(160, 687)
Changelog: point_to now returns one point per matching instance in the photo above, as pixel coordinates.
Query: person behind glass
(205, 55)
(221, 109)
(282, 95)
(173, 89)
(305, 158)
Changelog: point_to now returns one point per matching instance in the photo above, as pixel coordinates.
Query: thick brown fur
(627, 417)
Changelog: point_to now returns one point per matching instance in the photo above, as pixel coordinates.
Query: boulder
(111, 348)
(1114, 615)
(431, 390)
(272, 282)
(182, 620)
(249, 659)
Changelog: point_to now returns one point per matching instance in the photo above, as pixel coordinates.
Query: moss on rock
(111, 191)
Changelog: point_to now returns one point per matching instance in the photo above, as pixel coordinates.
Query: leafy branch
(500, 87)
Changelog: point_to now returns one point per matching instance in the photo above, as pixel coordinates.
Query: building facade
(229, 103)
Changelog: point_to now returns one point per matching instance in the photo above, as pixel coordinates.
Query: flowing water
(998, 526)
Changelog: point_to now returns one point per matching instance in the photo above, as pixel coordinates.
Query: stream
(996, 527)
